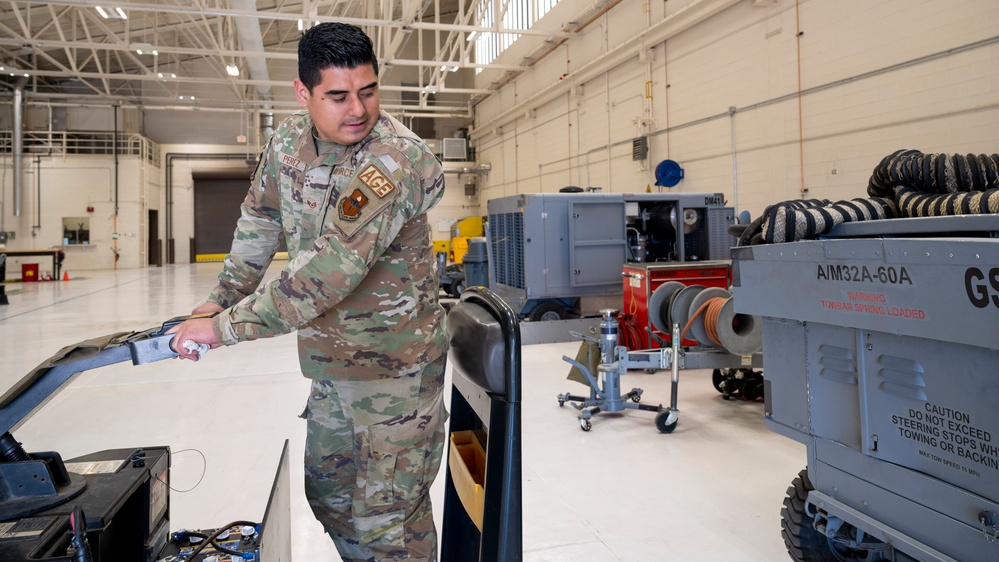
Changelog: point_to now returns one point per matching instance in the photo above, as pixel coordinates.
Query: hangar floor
(712, 490)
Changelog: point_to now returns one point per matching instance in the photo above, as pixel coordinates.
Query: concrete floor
(711, 490)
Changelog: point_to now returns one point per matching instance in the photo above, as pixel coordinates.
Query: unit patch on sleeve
(369, 192)
(351, 205)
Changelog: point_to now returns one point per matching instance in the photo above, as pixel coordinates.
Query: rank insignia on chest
(350, 206)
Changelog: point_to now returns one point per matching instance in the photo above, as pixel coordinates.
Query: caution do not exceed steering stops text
(951, 432)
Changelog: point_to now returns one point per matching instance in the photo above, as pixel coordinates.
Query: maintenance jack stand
(605, 394)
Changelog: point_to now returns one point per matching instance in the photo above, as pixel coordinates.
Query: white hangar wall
(721, 97)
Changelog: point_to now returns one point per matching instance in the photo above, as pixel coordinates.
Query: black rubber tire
(717, 378)
(803, 542)
(661, 424)
(546, 311)
(752, 387)
(456, 286)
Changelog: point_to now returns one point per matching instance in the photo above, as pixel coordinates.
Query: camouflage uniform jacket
(362, 282)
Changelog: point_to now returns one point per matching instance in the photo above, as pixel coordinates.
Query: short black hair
(338, 45)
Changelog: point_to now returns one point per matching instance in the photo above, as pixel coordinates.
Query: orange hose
(711, 309)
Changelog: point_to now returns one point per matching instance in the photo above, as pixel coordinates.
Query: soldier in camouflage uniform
(348, 187)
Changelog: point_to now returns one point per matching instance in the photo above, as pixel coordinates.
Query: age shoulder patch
(369, 192)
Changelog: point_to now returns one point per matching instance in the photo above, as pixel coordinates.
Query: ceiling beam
(288, 16)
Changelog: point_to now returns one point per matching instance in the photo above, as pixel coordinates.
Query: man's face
(344, 104)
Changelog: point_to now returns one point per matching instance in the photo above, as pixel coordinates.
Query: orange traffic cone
(65, 276)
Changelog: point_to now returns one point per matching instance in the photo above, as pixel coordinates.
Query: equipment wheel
(547, 311)
(662, 422)
(803, 542)
(718, 377)
(585, 425)
(636, 398)
(752, 386)
(456, 287)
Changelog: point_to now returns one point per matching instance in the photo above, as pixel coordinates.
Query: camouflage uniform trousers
(372, 451)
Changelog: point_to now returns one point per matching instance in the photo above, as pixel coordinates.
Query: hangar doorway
(217, 196)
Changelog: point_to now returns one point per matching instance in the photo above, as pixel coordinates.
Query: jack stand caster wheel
(585, 425)
(666, 421)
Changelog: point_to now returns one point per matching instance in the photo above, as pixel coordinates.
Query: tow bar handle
(154, 344)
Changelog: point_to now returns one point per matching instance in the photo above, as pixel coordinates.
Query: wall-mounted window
(75, 230)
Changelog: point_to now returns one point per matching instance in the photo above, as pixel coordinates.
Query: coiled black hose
(906, 183)
(934, 173)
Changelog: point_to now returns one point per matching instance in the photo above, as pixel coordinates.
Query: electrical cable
(204, 470)
(211, 538)
(628, 334)
(78, 536)
(214, 543)
(710, 309)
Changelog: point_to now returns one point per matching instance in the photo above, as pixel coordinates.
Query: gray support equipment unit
(549, 251)
(882, 346)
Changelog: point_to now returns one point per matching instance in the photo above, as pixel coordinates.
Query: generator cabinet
(549, 250)
(882, 354)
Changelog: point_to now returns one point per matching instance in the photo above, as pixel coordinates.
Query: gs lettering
(982, 288)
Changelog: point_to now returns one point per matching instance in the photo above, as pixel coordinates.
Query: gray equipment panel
(573, 245)
(881, 359)
(596, 238)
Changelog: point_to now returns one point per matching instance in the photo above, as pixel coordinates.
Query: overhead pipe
(114, 151)
(18, 142)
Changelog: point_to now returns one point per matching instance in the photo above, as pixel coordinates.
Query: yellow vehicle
(461, 231)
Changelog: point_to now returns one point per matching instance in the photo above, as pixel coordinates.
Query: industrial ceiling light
(166, 75)
(117, 13)
(232, 70)
(144, 49)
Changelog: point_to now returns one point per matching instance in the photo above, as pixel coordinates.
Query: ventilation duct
(250, 42)
(18, 134)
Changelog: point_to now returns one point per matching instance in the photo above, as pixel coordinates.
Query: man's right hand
(207, 308)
